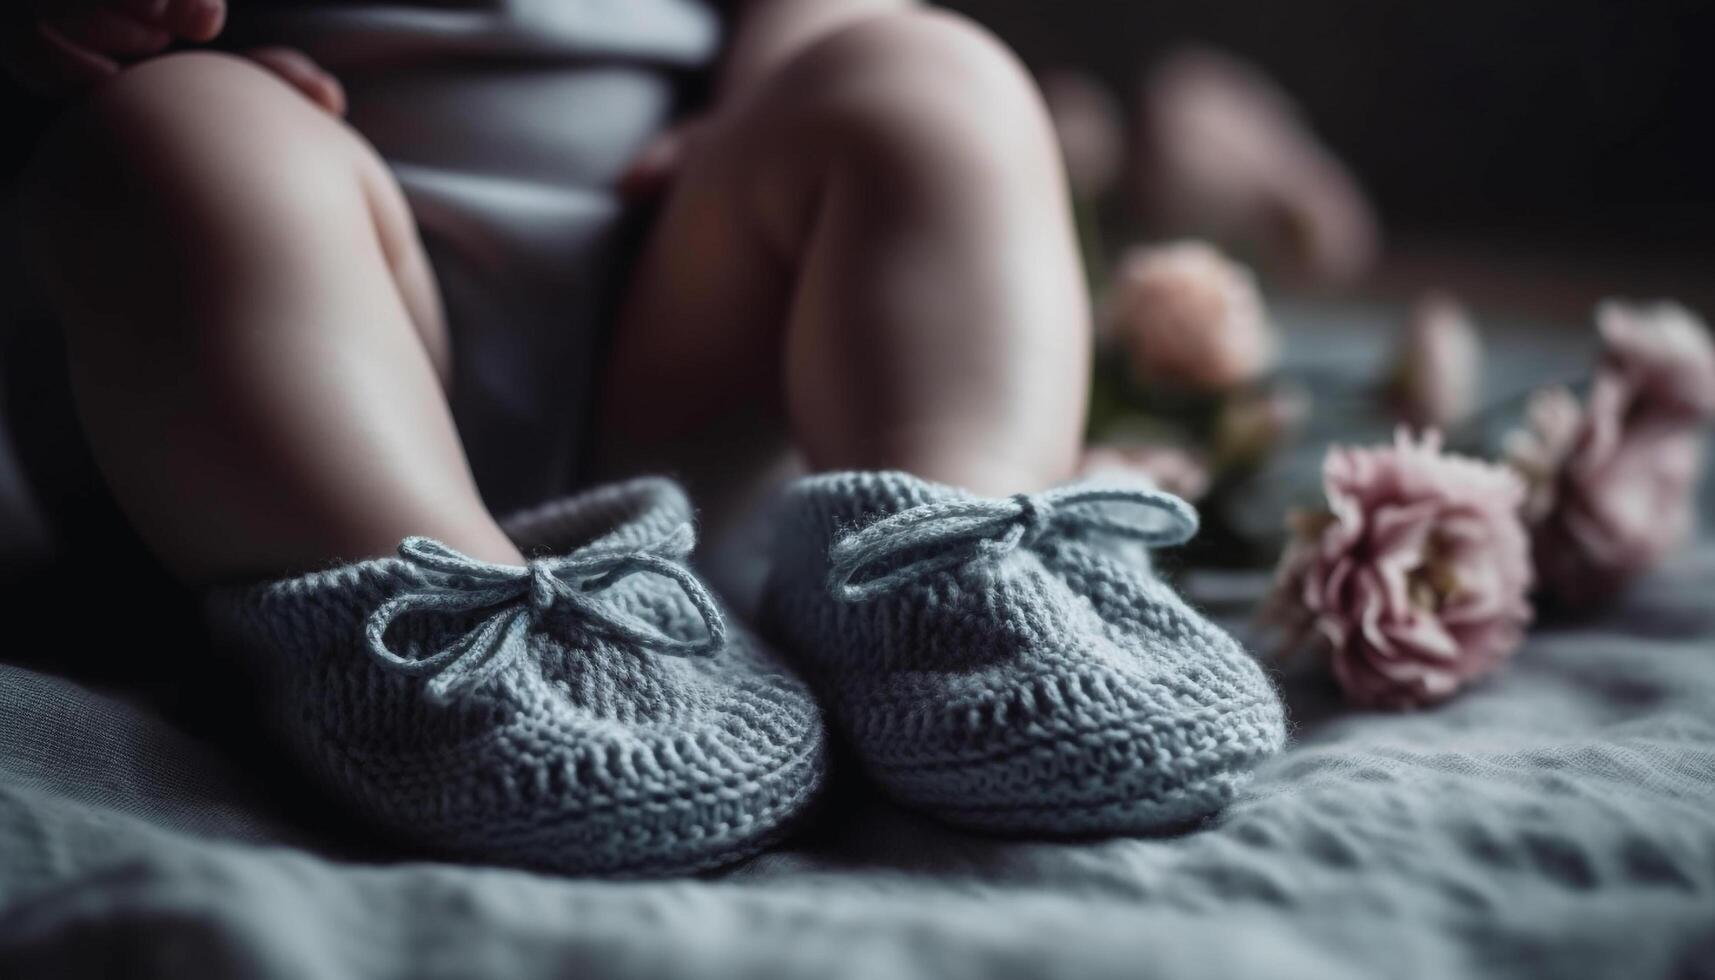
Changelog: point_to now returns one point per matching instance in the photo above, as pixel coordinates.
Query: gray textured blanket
(1558, 821)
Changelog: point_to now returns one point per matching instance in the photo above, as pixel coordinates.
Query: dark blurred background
(1575, 128)
(1531, 156)
(1544, 150)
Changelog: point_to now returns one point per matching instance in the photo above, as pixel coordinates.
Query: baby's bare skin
(867, 244)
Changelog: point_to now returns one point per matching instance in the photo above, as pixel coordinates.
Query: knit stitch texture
(593, 712)
(1004, 666)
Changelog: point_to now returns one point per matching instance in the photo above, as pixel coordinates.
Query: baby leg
(254, 336)
(877, 245)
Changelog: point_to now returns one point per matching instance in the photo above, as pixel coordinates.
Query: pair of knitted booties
(1003, 665)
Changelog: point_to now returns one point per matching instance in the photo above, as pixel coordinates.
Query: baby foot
(591, 712)
(1002, 665)
(1226, 155)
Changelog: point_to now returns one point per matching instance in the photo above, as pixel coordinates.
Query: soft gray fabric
(1557, 822)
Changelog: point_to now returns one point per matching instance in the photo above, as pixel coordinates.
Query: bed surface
(1557, 821)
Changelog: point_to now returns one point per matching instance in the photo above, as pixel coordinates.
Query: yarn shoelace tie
(936, 537)
(521, 596)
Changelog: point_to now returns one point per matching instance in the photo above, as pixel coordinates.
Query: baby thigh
(254, 338)
(876, 250)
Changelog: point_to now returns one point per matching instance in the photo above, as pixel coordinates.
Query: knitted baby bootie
(998, 663)
(591, 712)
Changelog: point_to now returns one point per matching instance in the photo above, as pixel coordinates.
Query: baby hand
(60, 47)
(660, 160)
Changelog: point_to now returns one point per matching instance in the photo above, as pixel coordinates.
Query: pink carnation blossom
(1185, 313)
(1611, 483)
(1538, 452)
(1415, 577)
(1662, 355)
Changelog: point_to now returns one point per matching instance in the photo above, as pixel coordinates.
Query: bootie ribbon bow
(936, 537)
(520, 597)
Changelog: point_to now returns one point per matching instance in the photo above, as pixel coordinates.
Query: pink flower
(1168, 467)
(1611, 482)
(1440, 363)
(1415, 577)
(1088, 121)
(1662, 354)
(1539, 451)
(1185, 313)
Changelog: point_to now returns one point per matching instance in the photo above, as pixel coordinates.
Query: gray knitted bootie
(592, 712)
(1000, 665)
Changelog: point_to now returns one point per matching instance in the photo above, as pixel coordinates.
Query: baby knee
(182, 151)
(919, 81)
(173, 184)
(210, 91)
(153, 133)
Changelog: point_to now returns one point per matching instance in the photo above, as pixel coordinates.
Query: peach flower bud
(1184, 313)
(1439, 366)
(1087, 119)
